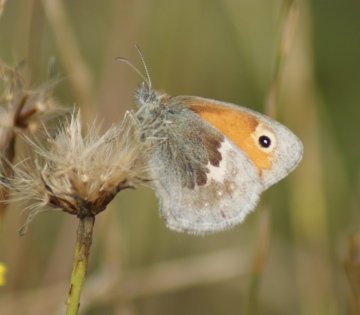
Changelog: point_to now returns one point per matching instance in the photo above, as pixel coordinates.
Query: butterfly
(209, 160)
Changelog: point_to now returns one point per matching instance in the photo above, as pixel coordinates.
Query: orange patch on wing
(237, 126)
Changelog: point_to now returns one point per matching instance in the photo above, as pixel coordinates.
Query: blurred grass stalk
(290, 18)
(112, 286)
(2, 5)
(291, 14)
(352, 268)
(314, 283)
(81, 77)
(259, 261)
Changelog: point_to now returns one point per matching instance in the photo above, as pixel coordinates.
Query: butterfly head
(146, 96)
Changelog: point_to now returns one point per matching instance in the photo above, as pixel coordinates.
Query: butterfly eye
(146, 97)
(264, 141)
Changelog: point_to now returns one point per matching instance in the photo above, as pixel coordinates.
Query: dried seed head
(79, 175)
(22, 110)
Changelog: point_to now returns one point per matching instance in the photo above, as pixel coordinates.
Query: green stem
(81, 257)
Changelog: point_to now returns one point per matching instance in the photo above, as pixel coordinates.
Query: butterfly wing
(205, 183)
(214, 161)
(246, 128)
(230, 193)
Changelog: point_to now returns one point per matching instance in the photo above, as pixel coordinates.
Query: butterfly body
(210, 160)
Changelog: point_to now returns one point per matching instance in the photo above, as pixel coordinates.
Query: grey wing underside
(231, 192)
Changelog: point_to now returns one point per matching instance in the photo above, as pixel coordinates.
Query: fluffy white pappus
(78, 174)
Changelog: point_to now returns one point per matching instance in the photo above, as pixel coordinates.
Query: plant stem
(82, 251)
(291, 13)
(259, 262)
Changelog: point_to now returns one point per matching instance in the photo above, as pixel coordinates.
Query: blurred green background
(225, 50)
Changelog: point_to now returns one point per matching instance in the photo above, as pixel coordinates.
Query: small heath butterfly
(209, 160)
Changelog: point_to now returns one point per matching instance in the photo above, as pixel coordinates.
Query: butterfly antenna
(145, 67)
(147, 80)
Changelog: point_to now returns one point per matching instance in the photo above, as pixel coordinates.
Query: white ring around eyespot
(263, 131)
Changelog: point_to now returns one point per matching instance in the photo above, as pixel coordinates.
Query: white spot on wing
(217, 173)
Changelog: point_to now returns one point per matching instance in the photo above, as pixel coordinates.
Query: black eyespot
(265, 141)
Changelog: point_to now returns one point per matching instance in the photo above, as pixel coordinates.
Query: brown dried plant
(22, 111)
